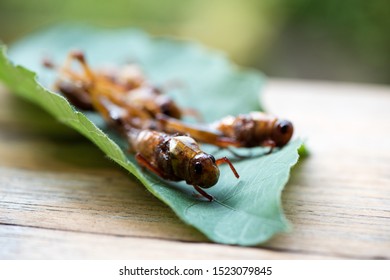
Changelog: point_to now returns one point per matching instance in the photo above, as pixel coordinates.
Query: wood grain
(38, 243)
(61, 198)
(338, 198)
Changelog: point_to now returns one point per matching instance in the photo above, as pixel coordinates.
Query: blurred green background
(336, 40)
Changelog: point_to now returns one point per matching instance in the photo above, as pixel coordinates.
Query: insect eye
(166, 109)
(284, 127)
(198, 168)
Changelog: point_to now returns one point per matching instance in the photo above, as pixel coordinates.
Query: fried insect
(174, 158)
(246, 130)
(124, 87)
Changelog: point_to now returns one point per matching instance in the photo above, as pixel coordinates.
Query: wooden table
(60, 198)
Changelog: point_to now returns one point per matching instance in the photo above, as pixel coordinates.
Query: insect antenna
(203, 193)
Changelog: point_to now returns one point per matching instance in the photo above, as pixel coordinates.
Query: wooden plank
(36, 243)
(338, 199)
(94, 203)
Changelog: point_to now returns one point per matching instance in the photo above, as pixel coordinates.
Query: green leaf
(246, 211)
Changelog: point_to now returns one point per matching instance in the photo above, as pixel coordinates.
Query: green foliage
(246, 211)
(285, 38)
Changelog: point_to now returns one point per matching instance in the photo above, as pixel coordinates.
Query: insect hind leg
(144, 163)
(80, 58)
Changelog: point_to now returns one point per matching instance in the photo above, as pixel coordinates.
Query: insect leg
(226, 160)
(66, 69)
(144, 163)
(269, 143)
(90, 76)
(225, 142)
(79, 56)
(203, 193)
(200, 133)
(96, 90)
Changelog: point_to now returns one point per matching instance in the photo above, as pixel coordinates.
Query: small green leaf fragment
(303, 151)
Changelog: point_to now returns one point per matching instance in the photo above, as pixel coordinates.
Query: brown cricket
(126, 86)
(246, 130)
(171, 157)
